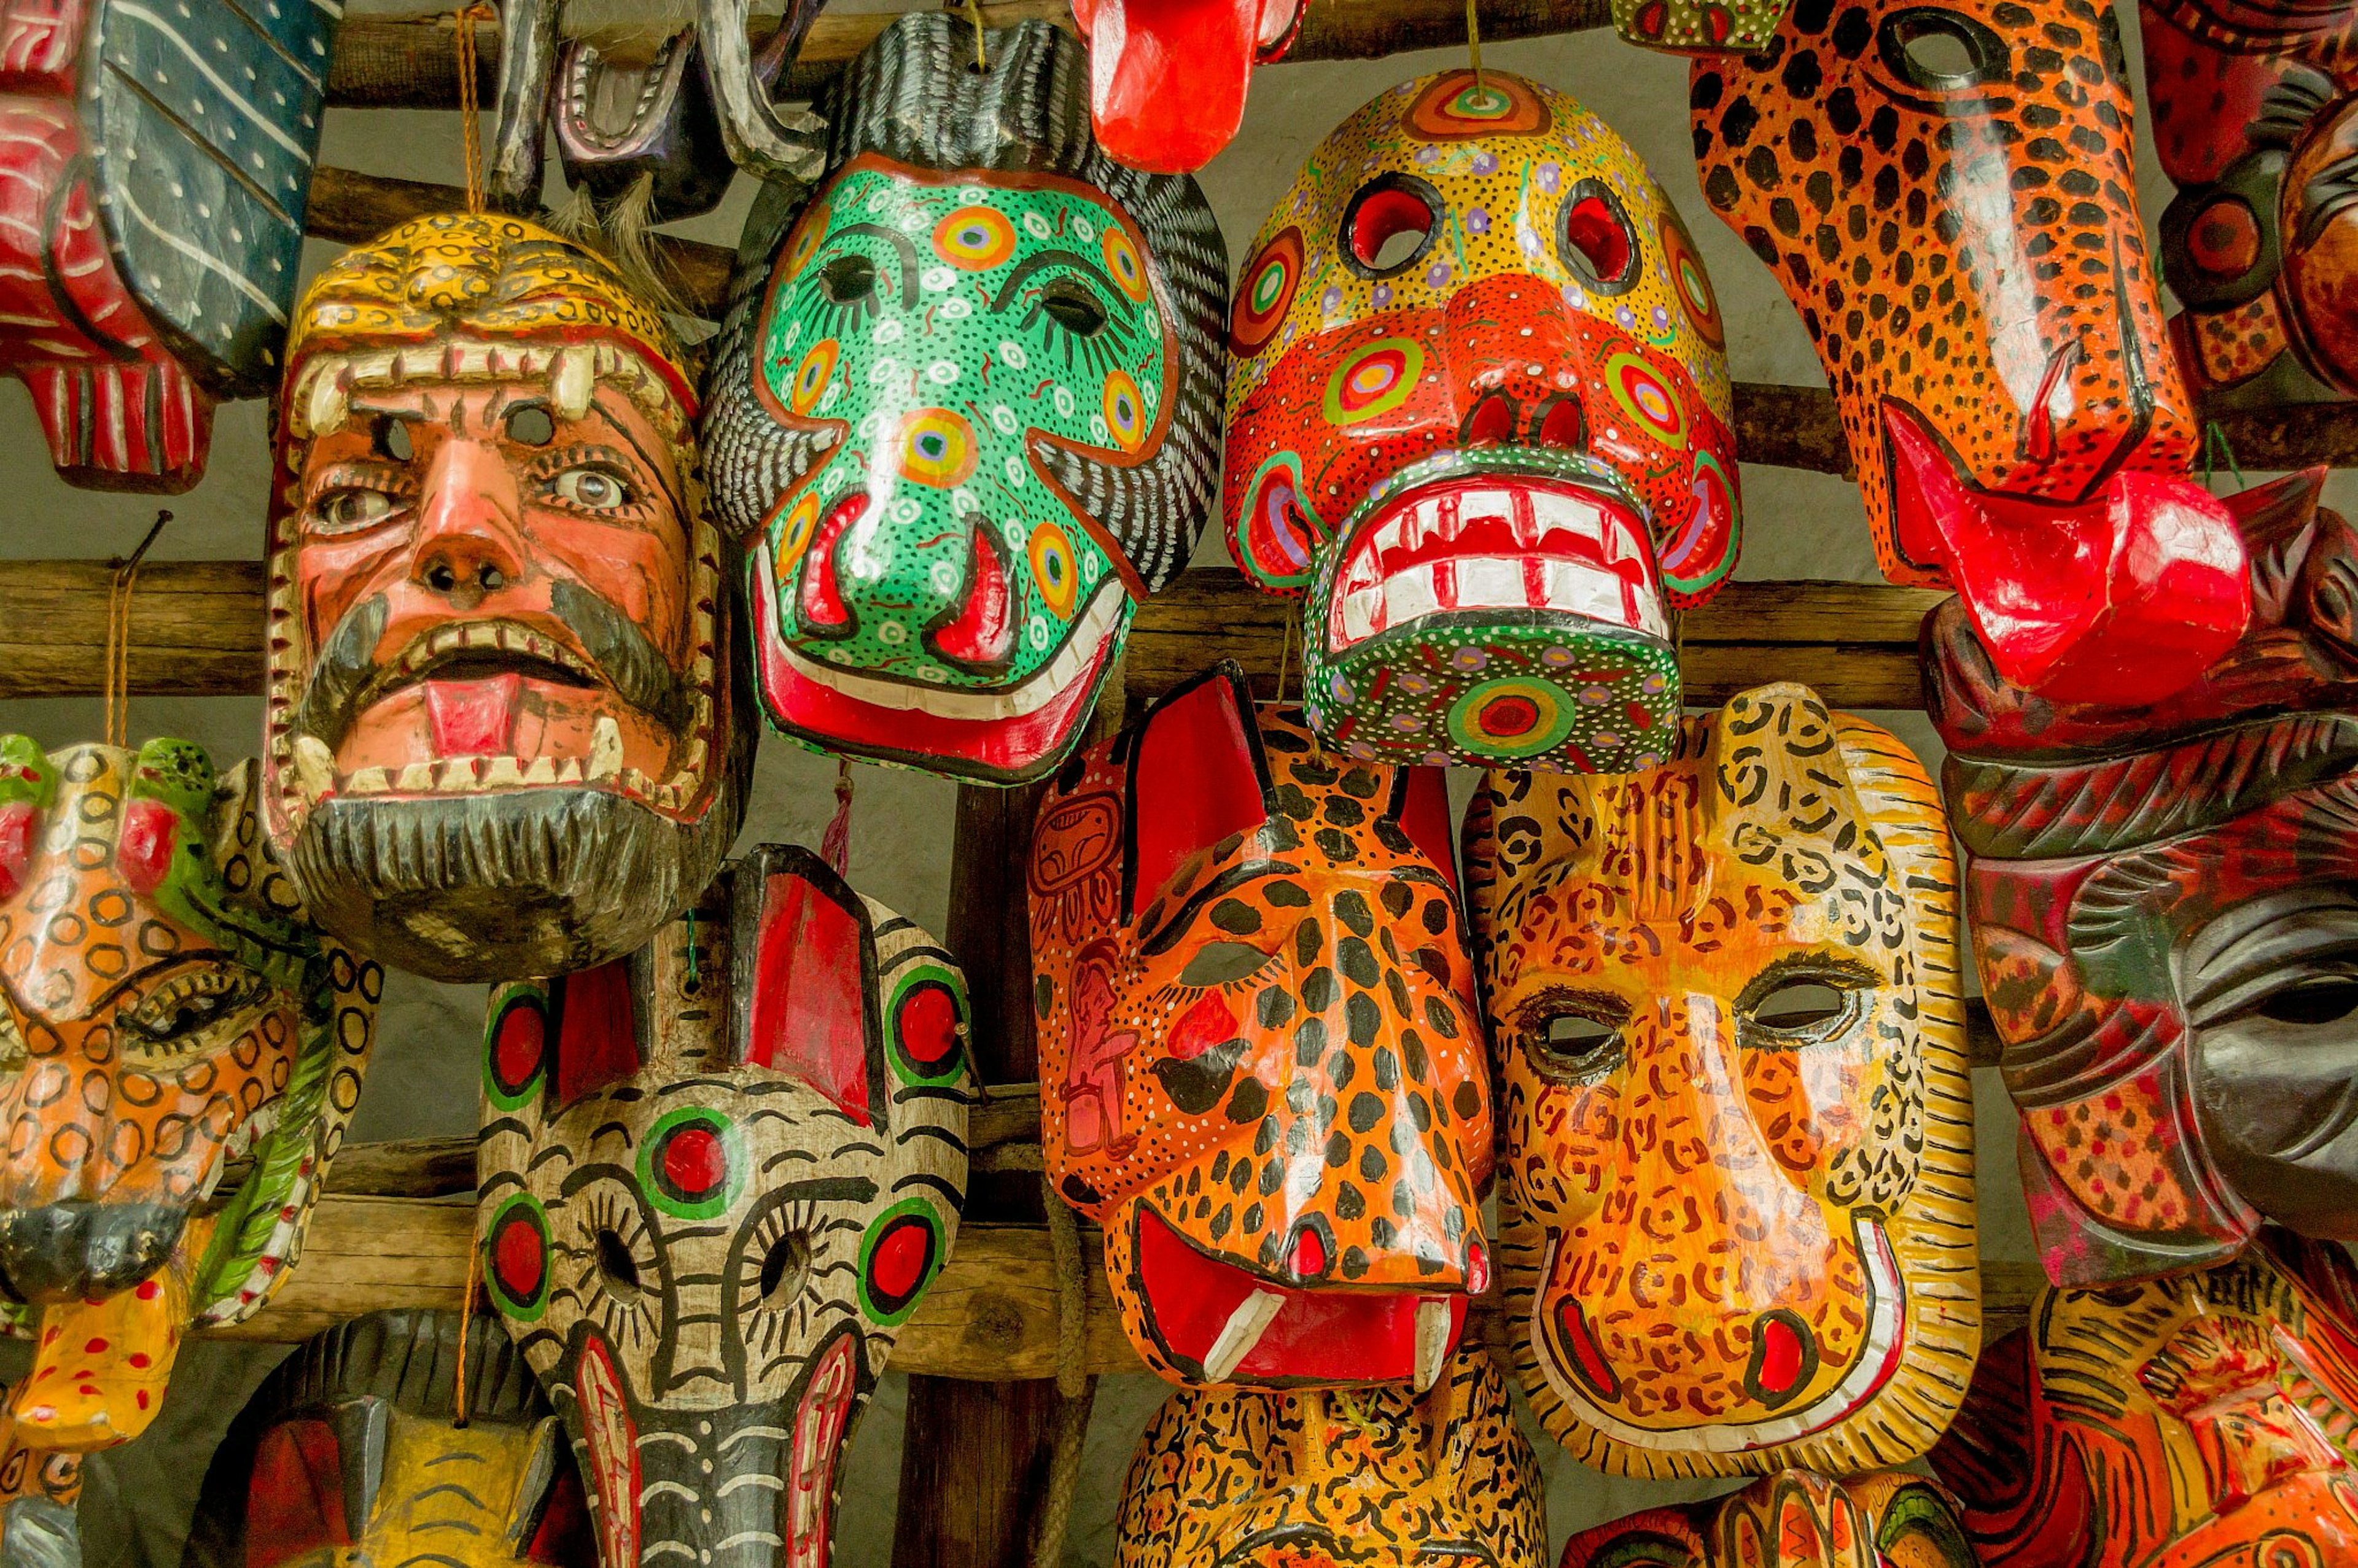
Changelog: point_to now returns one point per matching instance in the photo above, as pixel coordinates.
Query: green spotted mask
(967, 411)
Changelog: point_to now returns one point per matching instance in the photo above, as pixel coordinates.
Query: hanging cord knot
(118, 637)
(1077, 1391)
(835, 844)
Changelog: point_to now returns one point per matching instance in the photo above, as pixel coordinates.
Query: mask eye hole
(785, 1269)
(847, 280)
(1595, 239)
(2315, 1000)
(1573, 1037)
(618, 1271)
(532, 427)
(1072, 307)
(1390, 223)
(1803, 1006)
(1941, 51)
(389, 439)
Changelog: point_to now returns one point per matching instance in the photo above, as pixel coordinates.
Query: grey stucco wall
(422, 1082)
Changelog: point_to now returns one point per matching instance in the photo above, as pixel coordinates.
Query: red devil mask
(1260, 1063)
(2161, 908)
(1947, 194)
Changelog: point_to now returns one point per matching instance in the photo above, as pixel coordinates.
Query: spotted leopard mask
(1947, 194)
(1260, 1066)
(2252, 119)
(1734, 1106)
(1479, 421)
(1376, 1478)
(167, 1008)
(2162, 906)
(1793, 1519)
(2194, 1420)
(715, 1180)
(965, 408)
(351, 1451)
(502, 734)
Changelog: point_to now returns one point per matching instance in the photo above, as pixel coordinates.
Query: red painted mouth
(1217, 1321)
(2121, 598)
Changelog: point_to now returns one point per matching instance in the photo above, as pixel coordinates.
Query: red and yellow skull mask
(1478, 414)
(1734, 1115)
(1261, 1064)
(1376, 1478)
(1947, 194)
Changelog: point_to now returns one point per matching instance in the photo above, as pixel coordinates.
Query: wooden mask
(2252, 116)
(165, 1007)
(1167, 77)
(350, 1453)
(1260, 1058)
(1478, 418)
(2194, 1422)
(1791, 1519)
(159, 162)
(1946, 193)
(2162, 906)
(966, 407)
(39, 1489)
(502, 733)
(714, 1179)
(1734, 1111)
(1376, 1478)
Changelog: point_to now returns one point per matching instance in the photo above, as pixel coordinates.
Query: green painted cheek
(944, 328)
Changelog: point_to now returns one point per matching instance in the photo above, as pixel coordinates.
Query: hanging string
(974, 15)
(466, 1322)
(118, 638)
(2215, 439)
(469, 127)
(1076, 1389)
(1284, 664)
(1474, 45)
(835, 844)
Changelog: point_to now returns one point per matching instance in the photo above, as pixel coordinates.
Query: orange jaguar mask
(165, 1008)
(1260, 1066)
(1794, 1519)
(1738, 1213)
(1946, 193)
(1228, 1478)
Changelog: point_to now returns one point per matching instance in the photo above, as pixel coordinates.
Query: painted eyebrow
(901, 242)
(1038, 259)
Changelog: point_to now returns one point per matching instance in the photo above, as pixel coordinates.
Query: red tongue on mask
(473, 717)
(2120, 598)
(1167, 77)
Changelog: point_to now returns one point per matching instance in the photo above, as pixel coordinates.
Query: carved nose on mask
(81, 1252)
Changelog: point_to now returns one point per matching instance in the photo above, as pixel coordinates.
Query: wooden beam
(411, 62)
(991, 1317)
(197, 629)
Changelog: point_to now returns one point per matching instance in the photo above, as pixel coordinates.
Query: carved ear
(1774, 755)
(305, 1497)
(550, 1519)
(805, 976)
(594, 1026)
(1196, 775)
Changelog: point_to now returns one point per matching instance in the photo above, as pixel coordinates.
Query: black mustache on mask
(346, 672)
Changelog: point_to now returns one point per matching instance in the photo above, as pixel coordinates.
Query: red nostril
(1309, 1259)
(983, 630)
(1562, 427)
(1491, 424)
(821, 600)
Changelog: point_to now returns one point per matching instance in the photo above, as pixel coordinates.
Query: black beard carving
(522, 884)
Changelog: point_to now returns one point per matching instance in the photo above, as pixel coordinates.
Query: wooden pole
(408, 62)
(976, 1453)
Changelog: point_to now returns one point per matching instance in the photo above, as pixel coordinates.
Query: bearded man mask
(716, 1179)
(1734, 1112)
(1374, 1478)
(165, 1007)
(1948, 196)
(965, 410)
(1478, 415)
(2162, 907)
(1260, 1058)
(502, 731)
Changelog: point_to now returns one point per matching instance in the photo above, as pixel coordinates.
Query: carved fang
(315, 768)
